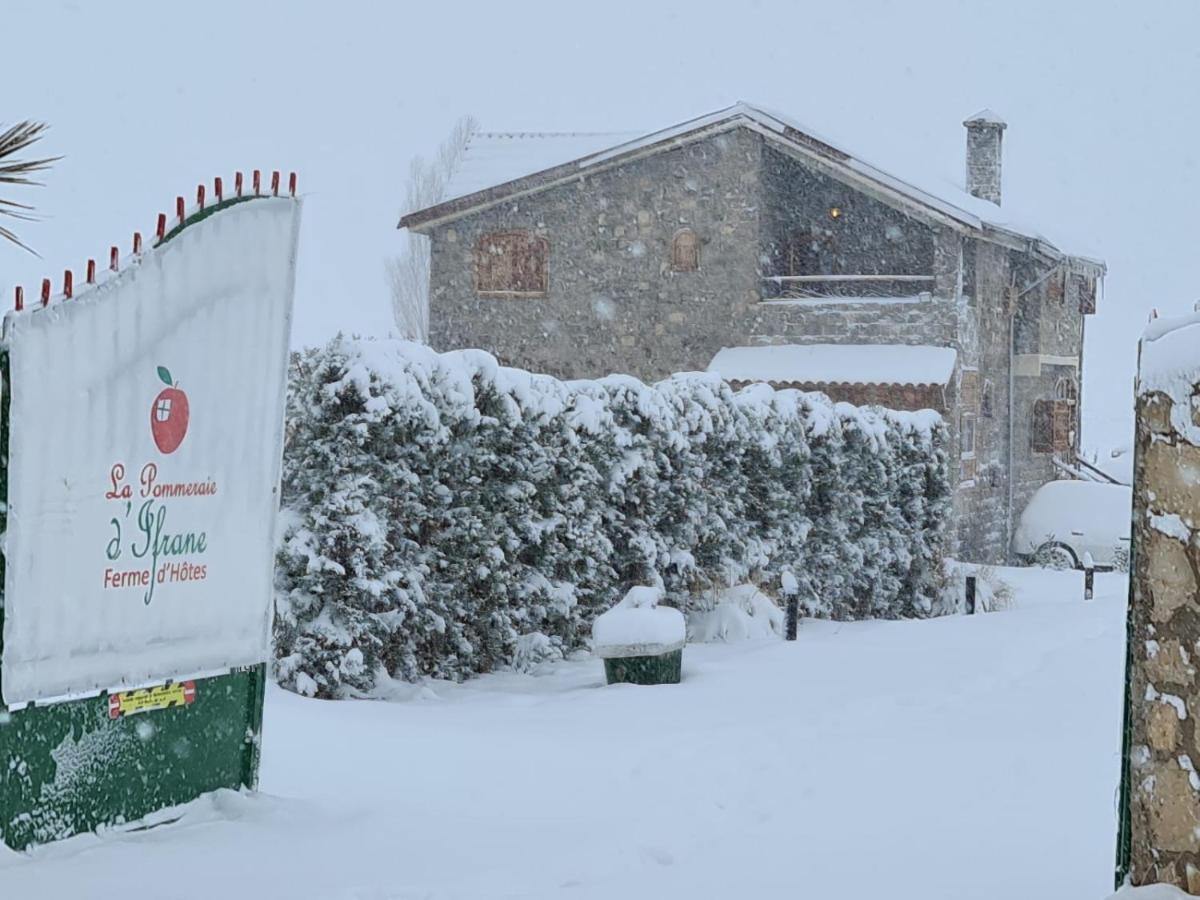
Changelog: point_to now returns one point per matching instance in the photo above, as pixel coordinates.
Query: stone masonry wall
(1047, 326)
(1162, 790)
(614, 304)
(983, 506)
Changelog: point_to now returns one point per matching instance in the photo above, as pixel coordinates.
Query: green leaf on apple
(165, 375)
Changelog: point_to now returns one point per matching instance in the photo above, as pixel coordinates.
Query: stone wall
(1049, 334)
(1162, 789)
(846, 231)
(984, 337)
(614, 303)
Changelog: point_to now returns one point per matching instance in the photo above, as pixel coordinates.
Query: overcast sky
(147, 99)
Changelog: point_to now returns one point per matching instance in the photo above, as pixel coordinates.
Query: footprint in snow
(658, 855)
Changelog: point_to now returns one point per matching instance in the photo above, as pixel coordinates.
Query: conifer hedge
(443, 515)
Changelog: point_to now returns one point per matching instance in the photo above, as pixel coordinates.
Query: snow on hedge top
(1171, 364)
(638, 626)
(836, 364)
(394, 374)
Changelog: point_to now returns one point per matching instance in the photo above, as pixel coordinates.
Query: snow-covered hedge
(438, 508)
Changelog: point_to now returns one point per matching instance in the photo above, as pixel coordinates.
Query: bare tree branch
(408, 271)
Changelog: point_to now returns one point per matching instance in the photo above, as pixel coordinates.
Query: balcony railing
(821, 287)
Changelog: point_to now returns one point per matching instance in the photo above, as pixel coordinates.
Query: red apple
(169, 415)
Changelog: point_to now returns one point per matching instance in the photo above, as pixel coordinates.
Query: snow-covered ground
(960, 757)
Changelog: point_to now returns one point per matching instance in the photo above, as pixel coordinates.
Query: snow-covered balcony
(801, 287)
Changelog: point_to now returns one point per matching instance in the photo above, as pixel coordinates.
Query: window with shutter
(968, 389)
(1064, 426)
(1043, 426)
(1053, 426)
(987, 398)
(1056, 286)
(512, 263)
(1066, 389)
(966, 446)
(685, 251)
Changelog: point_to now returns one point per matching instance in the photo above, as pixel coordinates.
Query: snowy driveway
(960, 757)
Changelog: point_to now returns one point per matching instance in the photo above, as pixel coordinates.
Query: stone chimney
(985, 131)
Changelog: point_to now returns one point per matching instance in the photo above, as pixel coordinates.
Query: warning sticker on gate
(164, 696)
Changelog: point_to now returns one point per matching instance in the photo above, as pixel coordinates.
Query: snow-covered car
(1066, 521)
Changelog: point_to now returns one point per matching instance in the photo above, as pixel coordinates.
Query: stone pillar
(1160, 839)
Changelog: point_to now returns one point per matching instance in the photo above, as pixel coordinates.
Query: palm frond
(14, 140)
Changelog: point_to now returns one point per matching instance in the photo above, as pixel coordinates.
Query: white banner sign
(146, 424)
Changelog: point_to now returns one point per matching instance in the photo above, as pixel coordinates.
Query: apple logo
(169, 415)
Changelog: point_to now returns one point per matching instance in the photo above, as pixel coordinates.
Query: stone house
(742, 243)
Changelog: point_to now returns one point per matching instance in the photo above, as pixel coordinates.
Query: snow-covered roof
(986, 117)
(836, 364)
(497, 157)
(497, 165)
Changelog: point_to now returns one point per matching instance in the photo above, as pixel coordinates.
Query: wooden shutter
(1064, 425)
(1053, 426)
(1043, 426)
(1056, 286)
(970, 468)
(968, 390)
(511, 263)
(685, 251)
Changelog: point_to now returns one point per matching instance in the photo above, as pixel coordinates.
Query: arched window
(987, 399)
(512, 263)
(685, 251)
(1066, 389)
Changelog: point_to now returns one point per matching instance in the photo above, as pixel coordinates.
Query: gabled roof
(500, 166)
(882, 364)
(498, 157)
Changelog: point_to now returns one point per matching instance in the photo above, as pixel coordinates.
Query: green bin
(643, 667)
